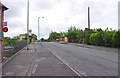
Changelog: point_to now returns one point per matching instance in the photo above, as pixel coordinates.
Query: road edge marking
(64, 62)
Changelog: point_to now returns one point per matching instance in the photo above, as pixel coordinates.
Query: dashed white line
(34, 70)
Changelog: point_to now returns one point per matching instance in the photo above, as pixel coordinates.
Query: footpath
(37, 61)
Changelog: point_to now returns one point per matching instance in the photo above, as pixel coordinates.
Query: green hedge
(99, 37)
(116, 38)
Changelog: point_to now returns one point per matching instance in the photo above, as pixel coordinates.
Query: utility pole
(119, 15)
(88, 18)
(27, 24)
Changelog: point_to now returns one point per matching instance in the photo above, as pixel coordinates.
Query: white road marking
(39, 60)
(36, 65)
(9, 73)
(34, 68)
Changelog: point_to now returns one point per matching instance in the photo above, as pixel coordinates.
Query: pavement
(37, 61)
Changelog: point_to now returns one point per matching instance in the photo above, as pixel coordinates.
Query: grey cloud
(73, 8)
(97, 10)
(97, 13)
(15, 9)
(42, 5)
(17, 25)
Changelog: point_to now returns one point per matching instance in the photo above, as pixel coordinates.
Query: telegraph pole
(88, 18)
(27, 24)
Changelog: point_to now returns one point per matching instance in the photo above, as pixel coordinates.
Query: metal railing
(19, 46)
(9, 51)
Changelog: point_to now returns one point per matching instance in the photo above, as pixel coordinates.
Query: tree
(53, 36)
(96, 39)
(73, 34)
(87, 33)
(116, 38)
(10, 41)
(107, 37)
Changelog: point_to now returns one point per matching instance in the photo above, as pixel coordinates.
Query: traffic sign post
(1, 34)
(2, 23)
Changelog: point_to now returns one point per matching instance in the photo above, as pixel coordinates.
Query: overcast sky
(59, 15)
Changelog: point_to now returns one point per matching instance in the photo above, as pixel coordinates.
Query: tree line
(15, 40)
(10, 41)
(99, 37)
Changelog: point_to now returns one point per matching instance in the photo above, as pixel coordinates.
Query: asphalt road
(35, 62)
(86, 61)
(47, 64)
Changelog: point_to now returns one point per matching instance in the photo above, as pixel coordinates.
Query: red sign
(30, 30)
(5, 29)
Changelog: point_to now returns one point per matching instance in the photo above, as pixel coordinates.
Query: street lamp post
(39, 27)
(27, 23)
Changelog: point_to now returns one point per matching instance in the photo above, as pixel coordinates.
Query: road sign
(30, 34)
(4, 23)
(30, 30)
(5, 29)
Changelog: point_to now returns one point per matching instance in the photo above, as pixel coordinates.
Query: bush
(116, 38)
(108, 38)
(92, 38)
(96, 39)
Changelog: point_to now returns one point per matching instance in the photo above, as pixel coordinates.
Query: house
(22, 37)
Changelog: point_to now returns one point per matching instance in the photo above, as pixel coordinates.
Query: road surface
(38, 61)
(86, 61)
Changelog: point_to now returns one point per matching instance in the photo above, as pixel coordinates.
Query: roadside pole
(38, 28)
(88, 17)
(39, 40)
(118, 39)
(27, 24)
(2, 9)
(0, 34)
(0, 44)
(2, 39)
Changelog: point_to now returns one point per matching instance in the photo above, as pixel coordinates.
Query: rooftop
(3, 6)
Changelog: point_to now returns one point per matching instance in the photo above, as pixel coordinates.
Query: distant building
(22, 37)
